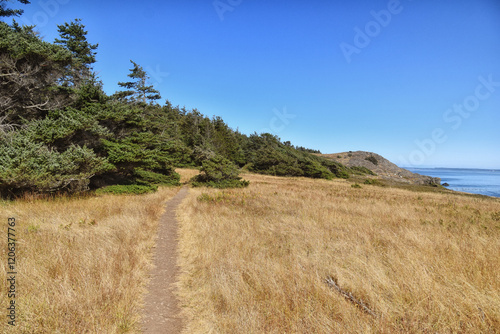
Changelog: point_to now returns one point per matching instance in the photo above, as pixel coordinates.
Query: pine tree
(138, 90)
(7, 12)
(74, 38)
(30, 70)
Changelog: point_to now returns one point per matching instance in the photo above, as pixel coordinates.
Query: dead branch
(332, 282)
(5, 128)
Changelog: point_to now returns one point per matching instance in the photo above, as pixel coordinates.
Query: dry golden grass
(255, 260)
(187, 173)
(82, 263)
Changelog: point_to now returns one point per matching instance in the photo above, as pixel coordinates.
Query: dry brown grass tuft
(255, 260)
(82, 263)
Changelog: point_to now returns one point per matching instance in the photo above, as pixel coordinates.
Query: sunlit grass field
(262, 260)
(82, 264)
(257, 260)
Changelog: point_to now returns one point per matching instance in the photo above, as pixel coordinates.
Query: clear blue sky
(415, 81)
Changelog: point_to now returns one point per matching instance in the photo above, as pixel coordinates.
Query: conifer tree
(73, 37)
(30, 70)
(137, 90)
(7, 12)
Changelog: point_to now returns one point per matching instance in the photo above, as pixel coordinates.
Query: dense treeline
(59, 131)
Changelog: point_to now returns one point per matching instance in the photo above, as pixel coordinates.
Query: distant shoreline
(470, 180)
(456, 168)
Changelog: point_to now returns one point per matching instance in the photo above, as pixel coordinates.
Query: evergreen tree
(219, 172)
(29, 72)
(74, 38)
(7, 12)
(137, 90)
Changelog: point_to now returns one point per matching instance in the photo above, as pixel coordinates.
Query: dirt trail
(161, 312)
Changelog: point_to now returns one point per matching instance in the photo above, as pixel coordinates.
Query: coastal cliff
(382, 167)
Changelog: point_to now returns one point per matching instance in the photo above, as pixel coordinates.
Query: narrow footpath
(161, 311)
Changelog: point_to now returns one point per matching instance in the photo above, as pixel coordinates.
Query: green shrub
(336, 168)
(283, 169)
(355, 185)
(267, 155)
(204, 197)
(359, 170)
(219, 169)
(26, 165)
(157, 178)
(372, 159)
(316, 170)
(219, 172)
(132, 189)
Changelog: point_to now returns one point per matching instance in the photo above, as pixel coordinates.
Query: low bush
(359, 170)
(156, 178)
(219, 172)
(28, 166)
(130, 189)
(372, 159)
(315, 169)
(336, 168)
(373, 182)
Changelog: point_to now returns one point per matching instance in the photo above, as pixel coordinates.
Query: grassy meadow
(284, 255)
(256, 260)
(81, 262)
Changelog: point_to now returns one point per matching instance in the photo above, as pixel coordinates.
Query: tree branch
(332, 282)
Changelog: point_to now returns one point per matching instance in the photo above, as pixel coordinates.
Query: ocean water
(476, 181)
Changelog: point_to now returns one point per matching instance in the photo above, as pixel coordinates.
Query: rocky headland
(382, 167)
